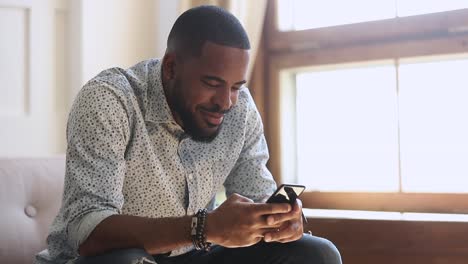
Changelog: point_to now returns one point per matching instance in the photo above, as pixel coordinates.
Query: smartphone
(286, 193)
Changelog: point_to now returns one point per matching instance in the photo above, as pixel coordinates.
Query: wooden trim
(271, 81)
(435, 25)
(269, 27)
(257, 79)
(272, 111)
(392, 202)
(391, 242)
(363, 53)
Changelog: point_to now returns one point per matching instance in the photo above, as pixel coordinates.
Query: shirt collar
(158, 110)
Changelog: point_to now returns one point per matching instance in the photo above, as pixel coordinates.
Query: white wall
(50, 48)
(166, 14)
(116, 33)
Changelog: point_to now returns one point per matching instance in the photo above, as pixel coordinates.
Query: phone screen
(286, 193)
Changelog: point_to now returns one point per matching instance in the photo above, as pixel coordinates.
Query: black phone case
(280, 198)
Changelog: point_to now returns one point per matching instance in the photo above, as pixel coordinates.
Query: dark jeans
(309, 249)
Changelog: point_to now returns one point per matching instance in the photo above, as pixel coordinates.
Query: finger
(286, 239)
(271, 208)
(263, 224)
(288, 231)
(282, 233)
(277, 236)
(278, 219)
(298, 204)
(256, 240)
(294, 215)
(269, 230)
(290, 239)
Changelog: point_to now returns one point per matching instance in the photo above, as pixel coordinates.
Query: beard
(193, 129)
(188, 118)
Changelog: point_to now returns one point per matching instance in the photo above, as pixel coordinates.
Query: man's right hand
(239, 222)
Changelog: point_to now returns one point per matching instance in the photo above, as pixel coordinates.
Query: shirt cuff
(80, 229)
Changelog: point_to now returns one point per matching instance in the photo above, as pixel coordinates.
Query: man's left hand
(287, 227)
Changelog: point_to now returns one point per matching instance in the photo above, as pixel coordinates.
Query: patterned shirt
(127, 155)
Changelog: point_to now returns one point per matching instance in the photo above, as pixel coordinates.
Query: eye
(213, 84)
(236, 88)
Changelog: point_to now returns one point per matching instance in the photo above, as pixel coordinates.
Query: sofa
(30, 197)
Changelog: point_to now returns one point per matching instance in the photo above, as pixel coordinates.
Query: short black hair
(206, 23)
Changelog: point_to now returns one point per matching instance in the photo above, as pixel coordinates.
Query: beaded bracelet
(198, 230)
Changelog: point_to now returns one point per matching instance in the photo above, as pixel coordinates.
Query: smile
(213, 118)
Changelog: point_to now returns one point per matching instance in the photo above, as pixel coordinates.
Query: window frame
(444, 33)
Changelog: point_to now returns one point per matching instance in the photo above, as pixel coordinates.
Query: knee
(312, 249)
(329, 252)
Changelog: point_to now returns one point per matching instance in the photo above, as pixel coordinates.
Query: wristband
(198, 230)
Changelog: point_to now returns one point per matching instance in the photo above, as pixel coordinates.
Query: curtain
(251, 14)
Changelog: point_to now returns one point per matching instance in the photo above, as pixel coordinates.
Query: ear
(169, 65)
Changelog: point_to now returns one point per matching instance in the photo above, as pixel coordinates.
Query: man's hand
(291, 226)
(239, 222)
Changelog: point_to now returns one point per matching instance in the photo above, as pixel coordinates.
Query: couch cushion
(30, 197)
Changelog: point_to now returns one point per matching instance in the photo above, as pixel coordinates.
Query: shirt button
(190, 176)
(30, 211)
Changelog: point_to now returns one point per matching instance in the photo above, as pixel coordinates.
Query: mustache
(215, 109)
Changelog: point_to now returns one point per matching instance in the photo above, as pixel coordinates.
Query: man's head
(204, 67)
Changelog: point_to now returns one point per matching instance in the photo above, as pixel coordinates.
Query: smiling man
(148, 149)
(205, 85)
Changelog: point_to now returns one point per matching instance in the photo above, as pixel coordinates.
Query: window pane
(347, 129)
(285, 15)
(434, 126)
(417, 7)
(306, 14)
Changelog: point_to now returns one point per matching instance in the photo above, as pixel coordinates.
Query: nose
(222, 98)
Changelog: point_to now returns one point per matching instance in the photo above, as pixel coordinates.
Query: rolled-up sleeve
(97, 136)
(250, 177)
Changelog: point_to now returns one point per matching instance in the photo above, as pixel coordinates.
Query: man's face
(207, 87)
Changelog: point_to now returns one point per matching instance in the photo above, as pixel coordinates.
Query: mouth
(213, 118)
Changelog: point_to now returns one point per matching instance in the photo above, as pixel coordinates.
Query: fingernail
(267, 238)
(271, 220)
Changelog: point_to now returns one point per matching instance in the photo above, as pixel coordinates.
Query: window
(347, 130)
(433, 130)
(370, 116)
(419, 7)
(307, 14)
(357, 130)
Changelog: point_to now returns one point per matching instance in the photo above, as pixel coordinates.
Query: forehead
(223, 60)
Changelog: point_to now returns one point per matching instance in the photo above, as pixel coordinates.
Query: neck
(167, 88)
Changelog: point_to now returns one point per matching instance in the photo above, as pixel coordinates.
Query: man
(148, 149)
